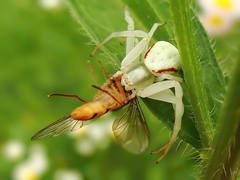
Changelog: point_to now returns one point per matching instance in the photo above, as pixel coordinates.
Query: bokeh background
(42, 51)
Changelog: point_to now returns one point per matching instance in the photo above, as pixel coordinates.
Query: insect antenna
(68, 95)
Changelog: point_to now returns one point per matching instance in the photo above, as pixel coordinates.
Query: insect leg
(93, 74)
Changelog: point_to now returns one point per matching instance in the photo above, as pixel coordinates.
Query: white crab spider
(150, 73)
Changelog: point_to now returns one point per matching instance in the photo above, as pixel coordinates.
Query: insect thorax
(137, 77)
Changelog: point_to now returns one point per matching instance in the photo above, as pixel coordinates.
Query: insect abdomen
(89, 111)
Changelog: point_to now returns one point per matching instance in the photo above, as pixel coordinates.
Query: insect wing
(61, 126)
(131, 129)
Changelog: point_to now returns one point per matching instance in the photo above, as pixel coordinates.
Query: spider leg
(130, 40)
(134, 53)
(135, 33)
(169, 77)
(153, 29)
(140, 47)
(155, 91)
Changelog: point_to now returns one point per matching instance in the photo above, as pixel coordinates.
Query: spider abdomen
(162, 57)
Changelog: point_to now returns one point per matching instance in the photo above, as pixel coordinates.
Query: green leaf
(223, 162)
(202, 75)
(94, 24)
(212, 76)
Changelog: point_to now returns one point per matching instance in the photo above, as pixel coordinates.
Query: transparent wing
(131, 129)
(61, 126)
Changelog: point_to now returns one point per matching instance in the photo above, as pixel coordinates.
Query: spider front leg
(135, 33)
(130, 41)
(159, 91)
(140, 48)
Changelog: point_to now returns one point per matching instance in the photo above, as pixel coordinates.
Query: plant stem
(193, 75)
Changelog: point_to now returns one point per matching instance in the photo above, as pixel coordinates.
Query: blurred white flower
(64, 174)
(13, 149)
(48, 4)
(95, 136)
(25, 171)
(100, 130)
(219, 16)
(223, 6)
(217, 23)
(33, 167)
(85, 146)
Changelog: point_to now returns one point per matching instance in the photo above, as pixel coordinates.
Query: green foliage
(227, 133)
(42, 52)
